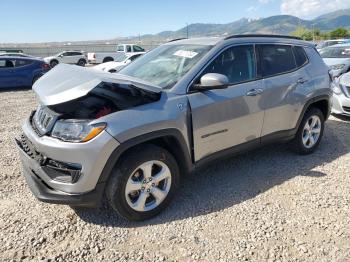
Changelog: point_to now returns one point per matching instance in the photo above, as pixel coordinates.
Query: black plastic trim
(262, 35)
(172, 132)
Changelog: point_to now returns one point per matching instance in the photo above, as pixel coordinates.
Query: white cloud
(252, 9)
(265, 1)
(312, 8)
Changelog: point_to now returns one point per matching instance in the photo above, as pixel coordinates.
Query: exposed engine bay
(104, 99)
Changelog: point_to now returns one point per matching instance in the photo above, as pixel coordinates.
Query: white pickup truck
(103, 57)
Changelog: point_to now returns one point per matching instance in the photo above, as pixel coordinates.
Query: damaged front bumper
(51, 176)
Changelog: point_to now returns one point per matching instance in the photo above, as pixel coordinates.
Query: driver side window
(237, 63)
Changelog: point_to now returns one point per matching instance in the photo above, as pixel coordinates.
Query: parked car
(20, 71)
(104, 57)
(131, 136)
(16, 55)
(121, 61)
(337, 58)
(67, 57)
(329, 43)
(341, 95)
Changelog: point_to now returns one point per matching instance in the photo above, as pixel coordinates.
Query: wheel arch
(169, 139)
(321, 102)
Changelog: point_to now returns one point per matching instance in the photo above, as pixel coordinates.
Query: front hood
(336, 61)
(68, 82)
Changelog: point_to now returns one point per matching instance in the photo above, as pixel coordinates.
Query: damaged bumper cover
(45, 193)
(72, 184)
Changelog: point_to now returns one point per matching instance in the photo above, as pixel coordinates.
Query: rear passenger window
(237, 63)
(276, 59)
(128, 48)
(300, 56)
(20, 62)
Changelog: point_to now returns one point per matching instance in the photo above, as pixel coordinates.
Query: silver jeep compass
(131, 136)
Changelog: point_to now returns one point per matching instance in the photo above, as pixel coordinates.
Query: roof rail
(176, 39)
(262, 35)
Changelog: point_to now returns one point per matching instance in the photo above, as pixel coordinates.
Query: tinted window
(237, 63)
(128, 48)
(300, 56)
(138, 49)
(120, 48)
(21, 62)
(276, 59)
(6, 63)
(335, 52)
(132, 58)
(76, 53)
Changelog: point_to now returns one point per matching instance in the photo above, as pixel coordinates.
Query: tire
(107, 59)
(53, 63)
(302, 142)
(129, 169)
(35, 79)
(81, 62)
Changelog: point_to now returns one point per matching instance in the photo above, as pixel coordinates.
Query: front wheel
(143, 183)
(310, 132)
(81, 62)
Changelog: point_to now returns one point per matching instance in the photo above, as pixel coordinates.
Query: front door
(228, 117)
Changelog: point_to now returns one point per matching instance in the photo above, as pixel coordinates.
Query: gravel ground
(265, 205)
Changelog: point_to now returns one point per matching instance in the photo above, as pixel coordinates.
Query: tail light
(94, 56)
(45, 66)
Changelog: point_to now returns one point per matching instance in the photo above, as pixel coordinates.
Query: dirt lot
(269, 204)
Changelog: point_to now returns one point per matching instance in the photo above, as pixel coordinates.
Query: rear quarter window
(276, 59)
(21, 62)
(300, 56)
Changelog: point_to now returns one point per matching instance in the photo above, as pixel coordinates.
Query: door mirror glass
(212, 81)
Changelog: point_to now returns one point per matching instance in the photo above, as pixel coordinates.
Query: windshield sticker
(184, 53)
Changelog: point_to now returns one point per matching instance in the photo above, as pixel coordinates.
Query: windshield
(165, 65)
(335, 52)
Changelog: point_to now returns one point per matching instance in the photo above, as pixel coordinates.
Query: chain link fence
(44, 50)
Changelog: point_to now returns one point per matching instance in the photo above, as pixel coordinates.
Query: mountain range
(279, 24)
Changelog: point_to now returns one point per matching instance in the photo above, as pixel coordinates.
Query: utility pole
(187, 30)
(313, 33)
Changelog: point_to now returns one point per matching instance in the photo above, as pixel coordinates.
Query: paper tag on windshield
(184, 53)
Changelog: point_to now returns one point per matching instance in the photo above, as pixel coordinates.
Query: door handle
(302, 80)
(254, 92)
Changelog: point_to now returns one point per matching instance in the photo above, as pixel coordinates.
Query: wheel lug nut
(150, 179)
(153, 184)
(144, 181)
(148, 190)
(142, 189)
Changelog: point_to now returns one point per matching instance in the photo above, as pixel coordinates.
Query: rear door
(228, 117)
(281, 99)
(24, 72)
(7, 73)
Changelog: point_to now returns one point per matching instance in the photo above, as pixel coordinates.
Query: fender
(171, 132)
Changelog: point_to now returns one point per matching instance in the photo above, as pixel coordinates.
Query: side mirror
(212, 81)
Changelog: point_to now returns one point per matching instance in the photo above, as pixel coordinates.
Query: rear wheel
(35, 79)
(108, 59)
(310, 132)
(53, 63)
(143, 183)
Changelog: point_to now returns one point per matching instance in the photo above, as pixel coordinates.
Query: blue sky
(64, 20)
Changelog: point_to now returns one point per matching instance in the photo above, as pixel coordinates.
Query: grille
(43, 120)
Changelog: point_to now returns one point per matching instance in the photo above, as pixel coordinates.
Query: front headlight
(336, 89)
(76, 130)
(337, 67)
